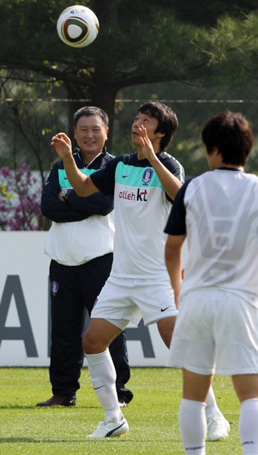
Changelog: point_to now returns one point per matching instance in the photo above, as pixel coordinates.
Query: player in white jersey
(216, 329)
(144, 185)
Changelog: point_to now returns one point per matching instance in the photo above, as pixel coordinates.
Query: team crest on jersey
(147, 176)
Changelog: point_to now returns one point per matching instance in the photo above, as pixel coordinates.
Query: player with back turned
(216, 329)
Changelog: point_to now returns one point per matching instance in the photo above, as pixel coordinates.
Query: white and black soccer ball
(77, 26)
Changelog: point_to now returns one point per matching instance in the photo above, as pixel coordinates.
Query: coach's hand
(63, 145)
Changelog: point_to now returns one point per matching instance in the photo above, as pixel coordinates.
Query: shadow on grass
(65, 441)
(25, 440)
(48, 407)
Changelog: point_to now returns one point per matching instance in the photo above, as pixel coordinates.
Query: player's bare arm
(173, 258)
(82, 184)
(170, 182)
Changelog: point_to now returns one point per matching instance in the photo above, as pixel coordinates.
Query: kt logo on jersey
(140, 195)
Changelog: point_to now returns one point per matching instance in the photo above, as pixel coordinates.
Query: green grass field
(152, 416)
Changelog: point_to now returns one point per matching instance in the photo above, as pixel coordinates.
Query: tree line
(182, 52)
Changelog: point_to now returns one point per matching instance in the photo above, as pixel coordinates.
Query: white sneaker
(218, 428)
(110, 429)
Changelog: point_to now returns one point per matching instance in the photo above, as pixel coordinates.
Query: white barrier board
(25, 305)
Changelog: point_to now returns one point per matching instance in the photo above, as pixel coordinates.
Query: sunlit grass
(152, 416)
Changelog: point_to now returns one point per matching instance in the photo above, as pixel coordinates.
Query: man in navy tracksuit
(80, 245)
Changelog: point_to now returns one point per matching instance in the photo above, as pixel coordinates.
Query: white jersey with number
(219, 213)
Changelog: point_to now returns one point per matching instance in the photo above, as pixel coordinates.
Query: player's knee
(88, 343)
(92, 343)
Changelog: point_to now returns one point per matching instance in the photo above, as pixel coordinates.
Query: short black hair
(87, 111)
(231, 134)
(168, 121)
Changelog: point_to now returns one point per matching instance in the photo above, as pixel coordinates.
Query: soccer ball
(77, 26)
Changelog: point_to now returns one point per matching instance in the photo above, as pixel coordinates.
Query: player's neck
(141, 155)
(230, 166)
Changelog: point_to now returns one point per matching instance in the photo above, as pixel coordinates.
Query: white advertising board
(25, 308)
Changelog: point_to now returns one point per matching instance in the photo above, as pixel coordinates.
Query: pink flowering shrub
(20, 193)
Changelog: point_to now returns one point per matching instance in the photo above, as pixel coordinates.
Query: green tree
(139, 43)
(194, 105)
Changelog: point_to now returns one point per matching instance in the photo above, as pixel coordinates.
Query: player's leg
(195, 342)
(99, 335)
(155, 298)
(103, 375)
(192, 416)
(166, 328)
(93, 277)
(119, 354)
(246, 387)
(218, 426)
(111, 314)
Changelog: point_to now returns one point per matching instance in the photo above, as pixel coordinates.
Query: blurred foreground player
(216, 329)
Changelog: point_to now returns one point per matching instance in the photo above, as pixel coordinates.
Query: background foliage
(199, 58)
(20, 200)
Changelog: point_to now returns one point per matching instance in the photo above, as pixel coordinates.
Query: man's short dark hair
(231, 134)
(168, 121)
(87, 111)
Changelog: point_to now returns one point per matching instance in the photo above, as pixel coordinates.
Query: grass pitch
(152, 416)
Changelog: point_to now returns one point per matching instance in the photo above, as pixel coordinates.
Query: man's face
(150, 123)
(91, 134)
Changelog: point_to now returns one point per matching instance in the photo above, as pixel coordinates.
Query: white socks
(248, 426)
(212, 408)
(193, 426)
(103, 378)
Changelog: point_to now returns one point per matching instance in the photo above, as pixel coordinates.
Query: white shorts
(215, 331)
(124, 301)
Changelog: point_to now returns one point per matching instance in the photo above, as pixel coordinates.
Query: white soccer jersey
(219, 213)
(141, 211)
